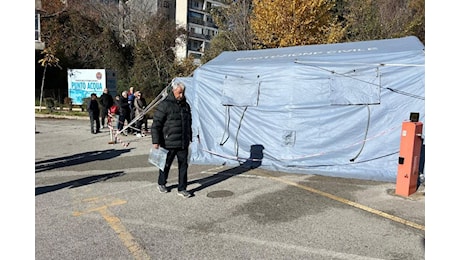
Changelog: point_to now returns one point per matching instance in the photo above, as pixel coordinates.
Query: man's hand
(156, 146)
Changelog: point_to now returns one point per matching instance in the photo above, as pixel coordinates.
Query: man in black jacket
(106, 102)
(172, 130)
(93, 112)
(125, 113)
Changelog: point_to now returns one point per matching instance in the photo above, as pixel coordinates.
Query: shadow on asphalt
(77, 183)
(76, 159)
(254, 161)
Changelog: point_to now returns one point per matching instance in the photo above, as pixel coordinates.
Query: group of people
(132, 106)
(118, 111)
(171, 127)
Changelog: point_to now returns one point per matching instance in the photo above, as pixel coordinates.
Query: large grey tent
(331, 109)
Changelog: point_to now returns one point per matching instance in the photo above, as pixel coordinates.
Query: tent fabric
(331, 109)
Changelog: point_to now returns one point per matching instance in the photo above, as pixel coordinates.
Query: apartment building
(148, 7)
(194, 15)
(39, 45)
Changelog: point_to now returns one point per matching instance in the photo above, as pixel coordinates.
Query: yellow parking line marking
(349, 202)
(115, 223)
(94, 200)
(126, 237)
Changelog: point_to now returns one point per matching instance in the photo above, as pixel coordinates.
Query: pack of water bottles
(157, 157)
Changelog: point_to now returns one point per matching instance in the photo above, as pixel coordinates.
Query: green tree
(80, 35)
(279, 23)
(123, 37)
(85, 35)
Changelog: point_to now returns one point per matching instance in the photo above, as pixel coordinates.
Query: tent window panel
(355, 89)
(288, 138)
(240, 92)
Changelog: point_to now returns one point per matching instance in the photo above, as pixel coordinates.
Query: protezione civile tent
(332, 109)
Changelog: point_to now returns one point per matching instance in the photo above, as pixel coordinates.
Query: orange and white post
(409, 158)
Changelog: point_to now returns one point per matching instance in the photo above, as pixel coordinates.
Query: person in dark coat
(106, 102)
(139, 107)
(93, 112)
(172, 130)
(131, 98)
(125, 112)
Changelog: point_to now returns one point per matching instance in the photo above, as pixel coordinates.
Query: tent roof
(349, 50)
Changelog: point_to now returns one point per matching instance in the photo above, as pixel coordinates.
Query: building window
(165, 4)
(208, 6)
(195, 55)
(37, 26)
(196, 4)
(195, 46)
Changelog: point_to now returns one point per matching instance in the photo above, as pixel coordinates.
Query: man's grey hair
(178, 84)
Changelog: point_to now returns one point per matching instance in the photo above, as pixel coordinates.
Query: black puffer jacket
(124, 106)
(172, 123)
(106, 100)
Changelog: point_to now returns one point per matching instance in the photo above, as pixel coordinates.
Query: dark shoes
(162, 189)
(184, 194)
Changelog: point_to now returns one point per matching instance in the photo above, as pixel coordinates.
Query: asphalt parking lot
(95, 200)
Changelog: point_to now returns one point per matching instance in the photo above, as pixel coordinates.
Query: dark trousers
(121, 121)
(139, 126)
(94, 120)
(104, 116)
(182, 156)
(146, 127)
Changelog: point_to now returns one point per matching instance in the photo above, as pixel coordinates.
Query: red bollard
(409, 158)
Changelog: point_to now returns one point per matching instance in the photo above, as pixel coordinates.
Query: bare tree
(154, 57)
(382, 19)
(235, 32)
